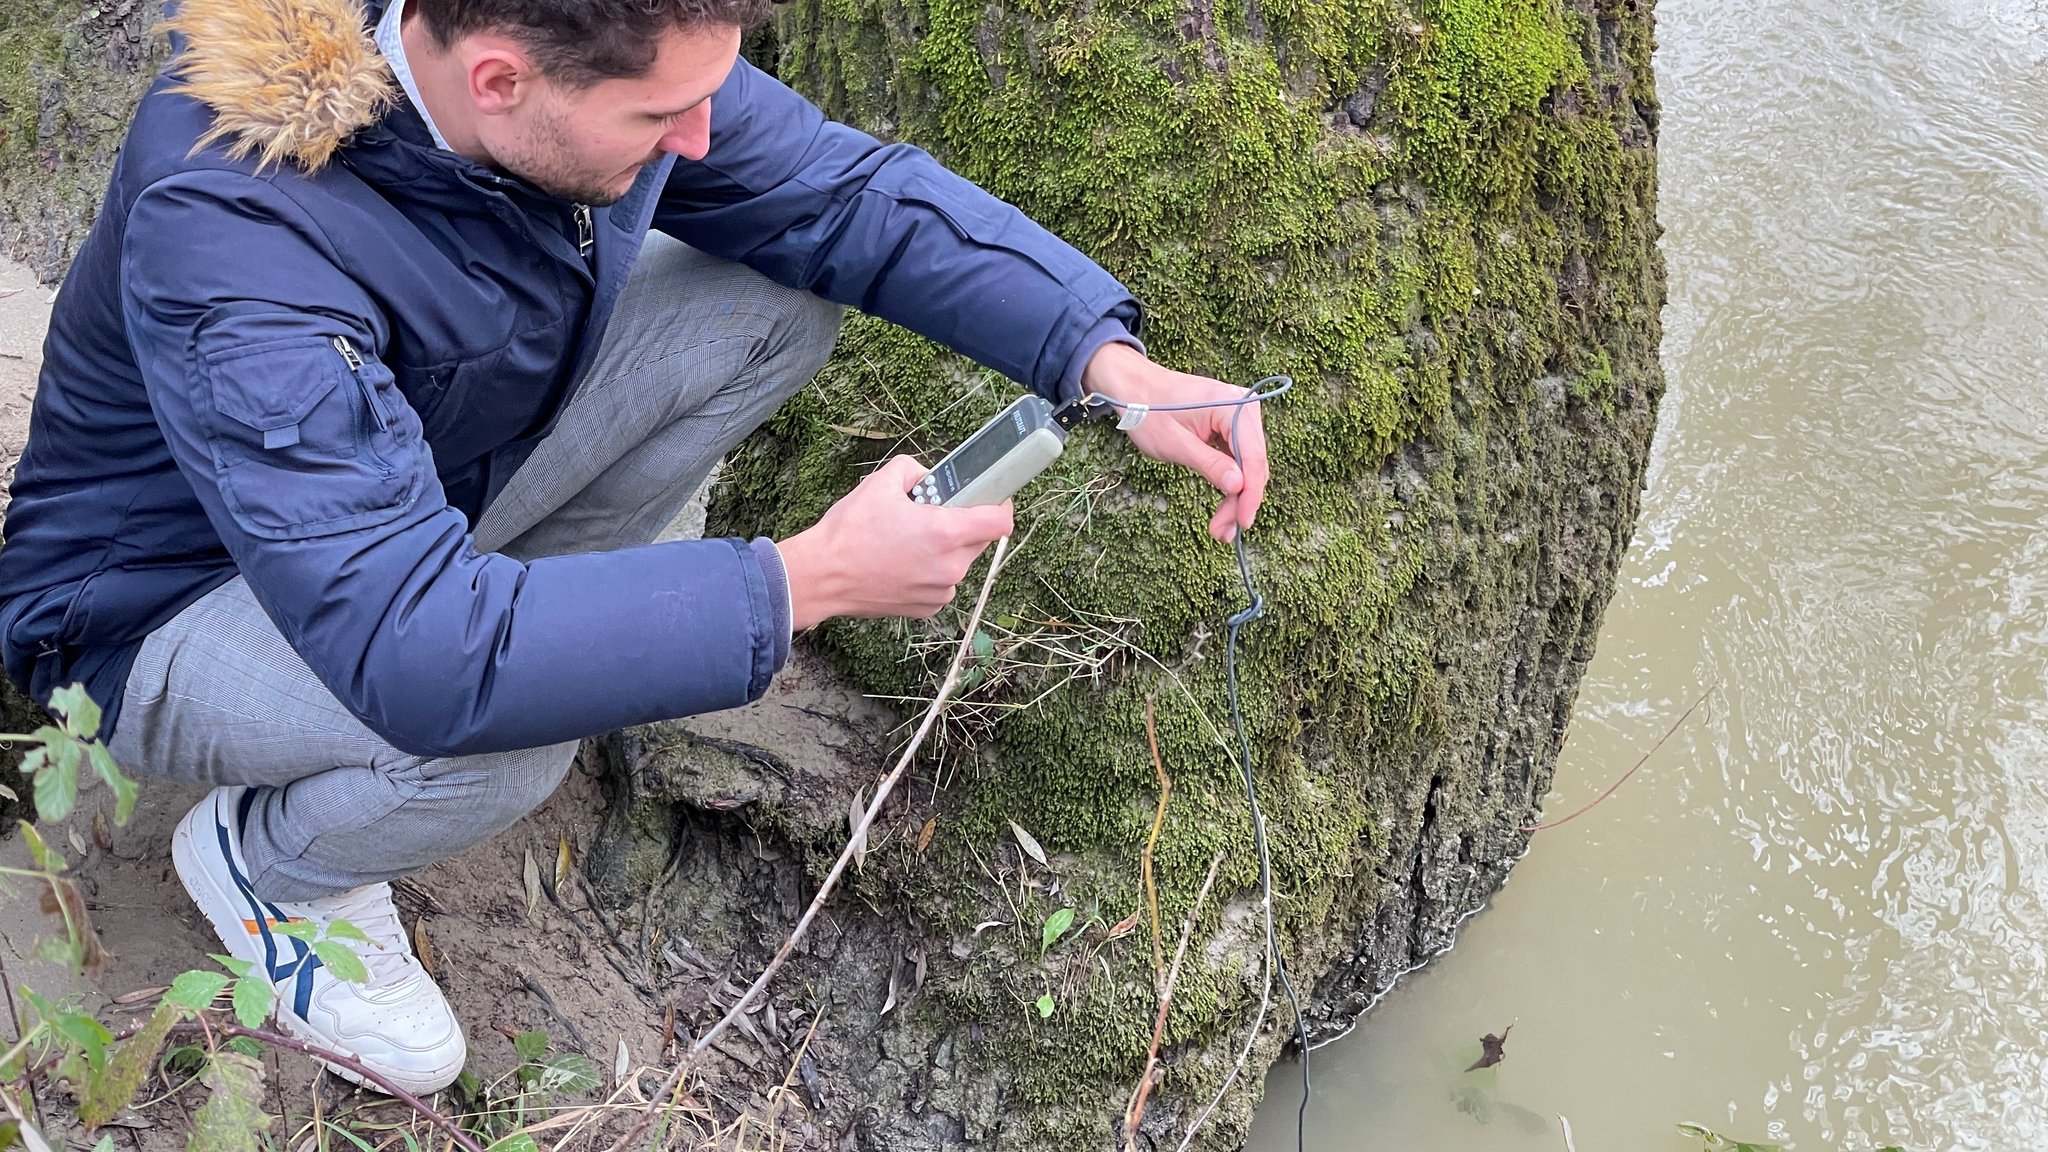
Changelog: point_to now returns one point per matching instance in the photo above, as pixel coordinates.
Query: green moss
(1412, 264)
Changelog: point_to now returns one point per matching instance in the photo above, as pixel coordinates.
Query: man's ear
(500, 79)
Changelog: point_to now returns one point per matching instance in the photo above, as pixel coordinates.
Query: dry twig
(1151, 842)
(1136, 1109)
(1645, 759)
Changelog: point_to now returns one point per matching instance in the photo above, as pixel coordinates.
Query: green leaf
(38, 849)
(351, 1137)
(116, 1089)
(56, 788)
(66, 950)
(246, 1047)
(182, 1060)
(570, 1072)
(196, 990)
(345, 964)
(10, 1135)
(252, 1001)
(106, 1144)
(296, 929)
(516, 1142)
(1044, 1007)
(343, 930)
(80, 715)
(86, 1034)
(530, 1044)
(238, 966)
(984, 645)
(1056, 926)
(232, 1119)
(125, 790)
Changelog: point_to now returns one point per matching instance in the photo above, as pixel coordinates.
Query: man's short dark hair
(581, 42)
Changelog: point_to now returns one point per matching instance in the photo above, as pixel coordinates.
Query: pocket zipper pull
(586, 230)
(354, 360)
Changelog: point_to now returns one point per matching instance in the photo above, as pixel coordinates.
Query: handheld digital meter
(998, 460)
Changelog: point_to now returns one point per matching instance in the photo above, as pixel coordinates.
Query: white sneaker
(397, 1023)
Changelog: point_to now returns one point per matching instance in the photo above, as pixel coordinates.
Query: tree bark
(1437, 216)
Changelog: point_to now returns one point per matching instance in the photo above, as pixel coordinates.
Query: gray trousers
(699, 353)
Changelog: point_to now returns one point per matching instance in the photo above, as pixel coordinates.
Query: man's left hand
(1199, 439)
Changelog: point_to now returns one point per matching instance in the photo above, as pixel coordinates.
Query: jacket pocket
(310, 437)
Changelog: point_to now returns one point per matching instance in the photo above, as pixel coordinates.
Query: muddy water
(1820, 914)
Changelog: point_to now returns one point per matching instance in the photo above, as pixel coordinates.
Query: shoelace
(370, 909)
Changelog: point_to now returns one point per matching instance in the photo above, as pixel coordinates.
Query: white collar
(392, 45)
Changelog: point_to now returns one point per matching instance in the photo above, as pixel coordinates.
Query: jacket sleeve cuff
(778, 596)
(1108, 330)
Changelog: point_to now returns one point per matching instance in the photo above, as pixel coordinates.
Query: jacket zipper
(354, 360)
(586, 231)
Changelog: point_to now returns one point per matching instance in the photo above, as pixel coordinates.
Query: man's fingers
(902, 471)
(1251, 433)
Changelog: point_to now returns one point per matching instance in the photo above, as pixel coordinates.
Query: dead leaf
(101, 834)
(924, 837)
(532, 871)
(917, 977)
(985, 924)
(562, 863)
(1490, 1049)
(1124, 926)
(774, 1025)
(623, 1066)
(77, 841)
(668, 1027)
(853, 826)
(863, 433)
(1027, 842)
(889, 1003)
(423, 948)
(9, 793)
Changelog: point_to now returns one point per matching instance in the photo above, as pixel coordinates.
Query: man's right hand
(878, 553)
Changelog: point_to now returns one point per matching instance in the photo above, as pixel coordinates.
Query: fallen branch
(1611, 788)
(859, 836)
(1136, 1109)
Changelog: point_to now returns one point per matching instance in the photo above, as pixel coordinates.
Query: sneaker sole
(224, 911)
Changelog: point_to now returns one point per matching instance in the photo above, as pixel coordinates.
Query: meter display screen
(988, 446)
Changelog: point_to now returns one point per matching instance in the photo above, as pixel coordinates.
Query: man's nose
(691, 136)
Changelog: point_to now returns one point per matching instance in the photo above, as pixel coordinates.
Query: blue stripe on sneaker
(263, 912)
(302, 993)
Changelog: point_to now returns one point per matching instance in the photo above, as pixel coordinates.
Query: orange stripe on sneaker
(250, 926)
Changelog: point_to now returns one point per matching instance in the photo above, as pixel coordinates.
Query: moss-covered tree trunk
(1438, 217)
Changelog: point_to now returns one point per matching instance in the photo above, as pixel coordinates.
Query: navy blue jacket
(316, 375)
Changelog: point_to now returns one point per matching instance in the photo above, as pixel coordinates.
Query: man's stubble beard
(544, 162)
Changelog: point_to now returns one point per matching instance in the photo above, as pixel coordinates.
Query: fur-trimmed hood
(288, 80)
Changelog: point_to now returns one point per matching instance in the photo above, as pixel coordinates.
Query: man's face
(587, 145)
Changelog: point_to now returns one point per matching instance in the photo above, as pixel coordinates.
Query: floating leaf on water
(1027, 842)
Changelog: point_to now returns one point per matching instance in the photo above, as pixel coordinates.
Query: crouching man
(400, 336)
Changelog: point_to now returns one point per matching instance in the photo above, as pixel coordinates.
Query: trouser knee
(516, 783)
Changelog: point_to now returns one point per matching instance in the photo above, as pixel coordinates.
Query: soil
(506, 966)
